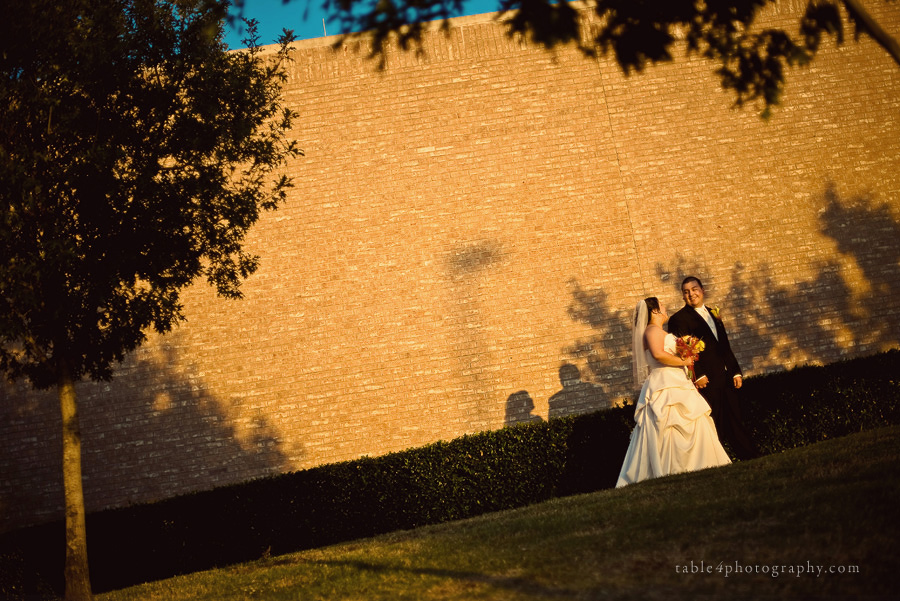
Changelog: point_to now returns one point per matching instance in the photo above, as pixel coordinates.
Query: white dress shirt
(704, 313)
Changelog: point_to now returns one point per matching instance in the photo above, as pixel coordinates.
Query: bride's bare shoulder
(654, 331)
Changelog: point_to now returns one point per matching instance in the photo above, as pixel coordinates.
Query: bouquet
(689, 347)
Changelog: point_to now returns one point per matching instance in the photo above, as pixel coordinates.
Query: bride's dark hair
(652, 305)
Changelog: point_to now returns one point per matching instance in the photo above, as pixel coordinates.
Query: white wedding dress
(673, 430)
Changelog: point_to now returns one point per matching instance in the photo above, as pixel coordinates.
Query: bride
(673, 430)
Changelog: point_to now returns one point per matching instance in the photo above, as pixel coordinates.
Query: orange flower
(689, 347)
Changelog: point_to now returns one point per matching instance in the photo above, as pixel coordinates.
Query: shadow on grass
(496, 581)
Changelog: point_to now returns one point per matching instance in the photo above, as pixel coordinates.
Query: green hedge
(812, 403)
(443, 481)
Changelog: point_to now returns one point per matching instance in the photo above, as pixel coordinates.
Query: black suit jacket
(717, 362)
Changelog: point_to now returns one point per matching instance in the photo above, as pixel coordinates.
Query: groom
(718, 373)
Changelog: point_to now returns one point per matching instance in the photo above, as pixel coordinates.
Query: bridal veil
(640, 369)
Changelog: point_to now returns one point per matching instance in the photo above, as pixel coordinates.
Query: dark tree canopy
(135, 153)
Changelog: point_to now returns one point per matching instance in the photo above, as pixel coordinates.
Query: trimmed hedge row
(809, 404)
(443, 481)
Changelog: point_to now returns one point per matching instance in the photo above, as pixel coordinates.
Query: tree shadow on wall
(151, 433)
(466, 267)
(870, 235)
(606, 355)
(174, 435)
(846, 308)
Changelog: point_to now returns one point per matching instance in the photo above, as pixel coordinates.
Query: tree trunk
(78, 583)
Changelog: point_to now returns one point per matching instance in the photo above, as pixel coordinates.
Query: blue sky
(305, 18)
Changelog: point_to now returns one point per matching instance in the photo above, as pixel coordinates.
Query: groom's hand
(738, 381)
(701, 382)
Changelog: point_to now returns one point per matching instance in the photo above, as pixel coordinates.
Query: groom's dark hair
(691, 278)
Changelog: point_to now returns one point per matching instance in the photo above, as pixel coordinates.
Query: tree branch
(862, 17)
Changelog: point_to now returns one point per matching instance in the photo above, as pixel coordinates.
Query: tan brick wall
(469, 223)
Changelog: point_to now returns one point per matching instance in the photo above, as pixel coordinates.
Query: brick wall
(470, 231)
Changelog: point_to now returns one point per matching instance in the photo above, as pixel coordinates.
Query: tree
(751, 61)
(135, 154)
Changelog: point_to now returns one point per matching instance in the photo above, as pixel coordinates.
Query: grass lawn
(818, 522)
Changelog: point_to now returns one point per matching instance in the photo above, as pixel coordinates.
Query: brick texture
(470, 230)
